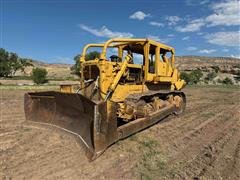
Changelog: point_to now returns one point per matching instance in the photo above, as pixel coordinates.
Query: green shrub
(39, 75)
(196, 76)
(237, 77)
(193, 77)
(219, 81)
(210, 76)
(227, 81)
(185, 76)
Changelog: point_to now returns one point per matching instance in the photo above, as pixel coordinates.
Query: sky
(54, 31)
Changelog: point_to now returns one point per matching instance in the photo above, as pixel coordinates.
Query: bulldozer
(118, 95)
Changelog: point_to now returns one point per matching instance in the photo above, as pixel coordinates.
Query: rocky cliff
(207, 64)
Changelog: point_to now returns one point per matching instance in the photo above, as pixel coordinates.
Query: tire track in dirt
(173, 130)
(226, 165)
(204, 161)
(179, 126)
(199, 149)
(40, 153)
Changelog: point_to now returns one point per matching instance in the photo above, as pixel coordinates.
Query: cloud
(196, 2)
(235, 56)
(105, 32)
(186, 38)
(230, 38)
(225, 13)
(173, 20)
(158, 24)
(207, 51)
(191, 48)
(139, 15)
(157, 38)
(192, 26)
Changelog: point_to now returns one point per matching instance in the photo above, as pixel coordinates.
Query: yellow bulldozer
(117, 96)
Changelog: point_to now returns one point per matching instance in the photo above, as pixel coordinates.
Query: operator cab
(115, 58)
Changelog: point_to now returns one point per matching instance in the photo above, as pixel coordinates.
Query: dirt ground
(203, 143)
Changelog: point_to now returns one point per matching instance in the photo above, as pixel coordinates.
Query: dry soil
(203, 143)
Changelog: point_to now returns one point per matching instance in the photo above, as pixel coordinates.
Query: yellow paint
(66, 88)
(164, 74)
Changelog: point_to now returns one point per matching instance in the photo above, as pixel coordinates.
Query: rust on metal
(70, 112)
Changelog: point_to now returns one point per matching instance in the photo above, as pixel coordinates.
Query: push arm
(118, 76)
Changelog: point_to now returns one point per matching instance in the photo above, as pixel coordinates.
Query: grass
(50, 78)
(27, 129)
(69, 78)
(233, 130)
(149, 143)
(152, 163)
(207, 114)
(225, 117)
(221, 86)
(17, 78)
(28, 87)
(133, 137)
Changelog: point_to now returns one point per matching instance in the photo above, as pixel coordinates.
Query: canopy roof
(135, 45)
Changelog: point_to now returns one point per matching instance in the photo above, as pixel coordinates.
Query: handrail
(82, 58)
(107, 44)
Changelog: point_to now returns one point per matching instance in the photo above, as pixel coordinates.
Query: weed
(144, 176)
(152, 163)
(129, 150)
(224, 117)
(133, 138)
(233, 130)
(149, 143)
(27, 129)
(207, 114)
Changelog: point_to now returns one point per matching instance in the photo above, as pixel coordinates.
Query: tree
(75, 69)
(25, 63)
(89, 56)
(39, 75)
(14, 63)
(5, 68)
(92, 55)
(10, 63)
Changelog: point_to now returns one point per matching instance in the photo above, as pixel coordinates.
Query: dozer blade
(73, 113)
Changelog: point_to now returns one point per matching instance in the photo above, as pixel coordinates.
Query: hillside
(55, 71)
(207, 64)
(183, 63)
(224, 66)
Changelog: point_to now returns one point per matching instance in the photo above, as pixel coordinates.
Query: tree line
(10, 63)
